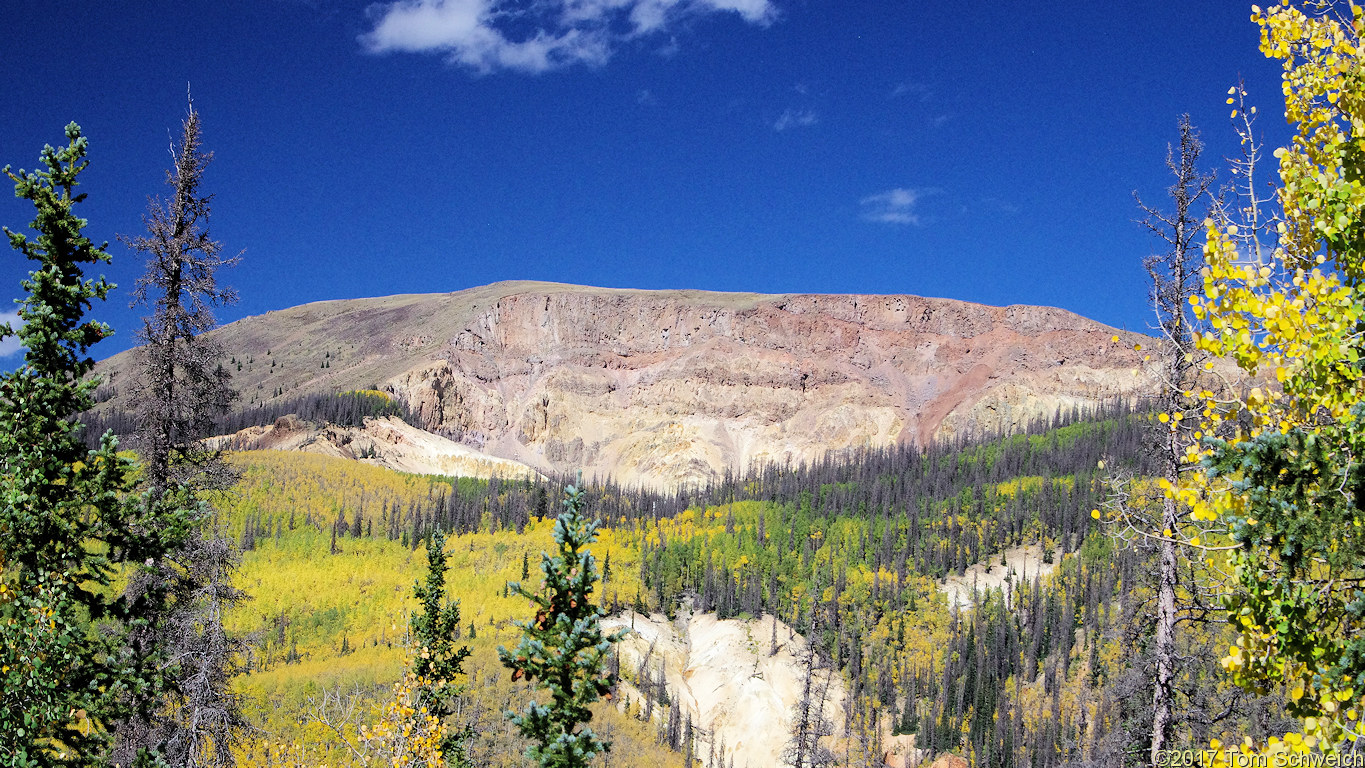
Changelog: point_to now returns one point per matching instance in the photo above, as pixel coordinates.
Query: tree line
(346, 409)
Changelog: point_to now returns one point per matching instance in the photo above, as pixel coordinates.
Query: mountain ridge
(673, 387)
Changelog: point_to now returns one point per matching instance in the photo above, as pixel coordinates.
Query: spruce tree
(437, 661)
(64, 524)
(180, 389)
(563, 649)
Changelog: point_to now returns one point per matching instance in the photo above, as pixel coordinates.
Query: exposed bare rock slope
(1022, 565)
(670, 387)
(386, 442)
(726, 675)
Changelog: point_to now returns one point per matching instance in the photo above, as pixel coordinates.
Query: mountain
(672, 387)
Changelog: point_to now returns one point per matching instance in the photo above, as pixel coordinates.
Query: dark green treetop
(563, 649)
(438, 662)
(64, 524)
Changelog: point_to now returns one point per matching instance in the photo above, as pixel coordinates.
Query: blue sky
(977, 151)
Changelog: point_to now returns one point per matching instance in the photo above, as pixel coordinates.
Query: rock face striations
(674, 387)
(738, 681)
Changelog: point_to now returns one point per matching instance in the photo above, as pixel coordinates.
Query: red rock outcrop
(672, 387)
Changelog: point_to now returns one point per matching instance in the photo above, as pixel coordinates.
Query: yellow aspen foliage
(406, 735)
(1283, 296)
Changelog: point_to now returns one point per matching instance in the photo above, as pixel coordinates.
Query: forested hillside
(903, 529)
(1048, 672)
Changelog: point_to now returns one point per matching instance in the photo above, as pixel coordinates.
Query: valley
(885, 501)
(879, 548)
(885, 497)
(346, 492)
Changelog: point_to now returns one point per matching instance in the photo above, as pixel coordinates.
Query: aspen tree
(1286, 476)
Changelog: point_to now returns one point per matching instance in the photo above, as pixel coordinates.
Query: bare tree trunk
(805, 750)
(1173, 277)
(1164, 682)
(801, 732)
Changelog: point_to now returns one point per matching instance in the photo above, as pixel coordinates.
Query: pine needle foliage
(563, 649)
(438, 662)
(64, 527)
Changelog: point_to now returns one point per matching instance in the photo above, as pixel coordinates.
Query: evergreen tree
(437, 661)
(64, 526)
(563, 649)
(182, 388)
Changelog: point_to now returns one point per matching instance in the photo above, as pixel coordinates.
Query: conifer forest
(1169, 578)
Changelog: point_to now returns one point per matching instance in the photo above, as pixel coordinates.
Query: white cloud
(793, 118)
(918, 90)
(753, 11)
(894, 206)
(10, 346)
(549, 34)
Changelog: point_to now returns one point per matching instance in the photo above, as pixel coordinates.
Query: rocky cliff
(737, 681)
(674, 387)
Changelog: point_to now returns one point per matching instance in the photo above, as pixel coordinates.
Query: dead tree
(182, 387)
(809, 725)
(1175, 277)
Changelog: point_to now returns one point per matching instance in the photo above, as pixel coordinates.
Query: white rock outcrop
(726, 677)
(384, 442)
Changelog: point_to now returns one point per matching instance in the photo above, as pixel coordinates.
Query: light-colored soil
(1023, 564)
(725, 676)
(387, 442)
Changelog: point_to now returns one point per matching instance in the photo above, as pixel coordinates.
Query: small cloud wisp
(894, 206)
(536, 36)
(795, 118)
